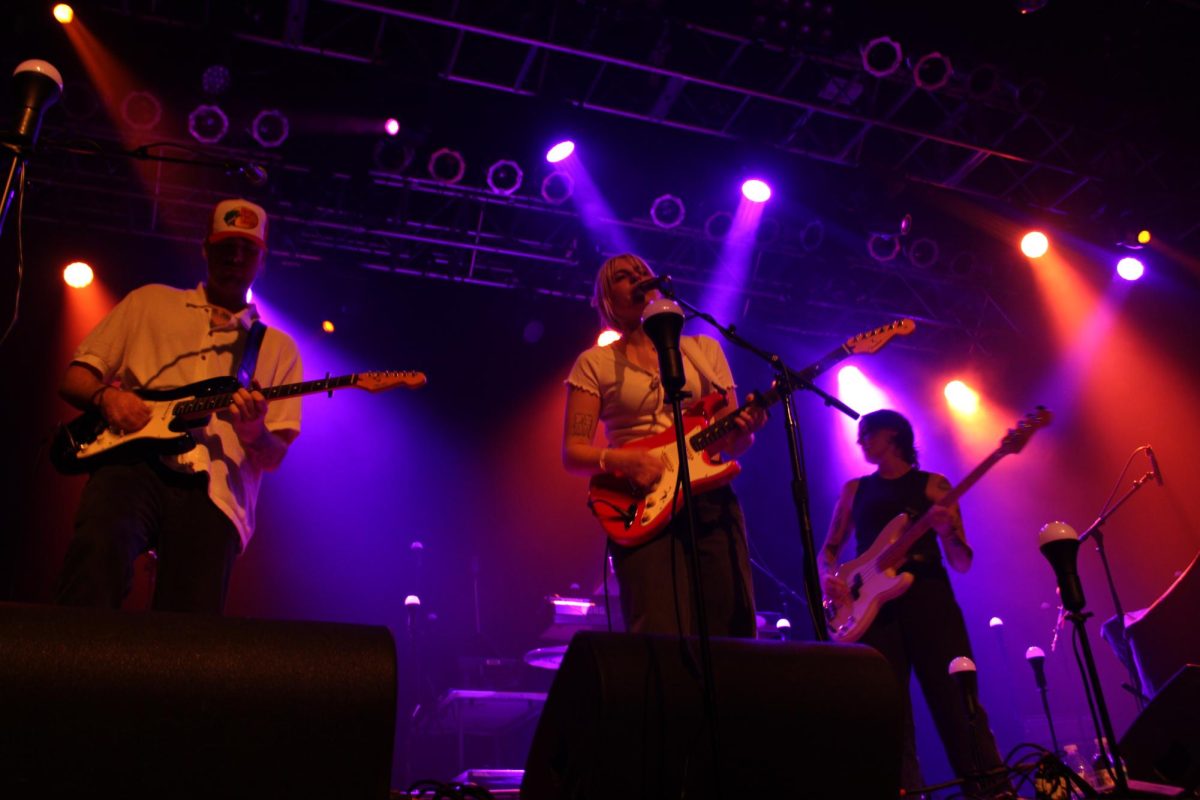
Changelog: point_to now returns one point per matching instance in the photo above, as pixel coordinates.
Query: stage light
(962, 398)
(982, 81)
(557, 188)
(883, 247)
(1143, 237)
(215, 80)
(923, 253)
(756, 191)
(446, 166)
(250, 295)
(995, 622)
(141, 110)
(392, 155)
(560, 151)
(667, 211)
(64, 13)
(392, 126)
(882, 56)
(607, 337)
(78, 275)
(208, 124)
(505, 177)
(327, 326)
(932, 71)
(1130, 268)
(812, 235)
(718, 224)
(270, 128)
(1034, 244)
(858, 392)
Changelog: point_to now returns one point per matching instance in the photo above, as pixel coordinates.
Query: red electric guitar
(630, 517)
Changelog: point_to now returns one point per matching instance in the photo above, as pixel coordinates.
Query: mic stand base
(1104, 730)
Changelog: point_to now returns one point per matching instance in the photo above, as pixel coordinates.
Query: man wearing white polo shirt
(196, 509)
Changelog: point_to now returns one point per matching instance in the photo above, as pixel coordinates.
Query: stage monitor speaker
(108, 704)
(625, 718)
(1163, 743)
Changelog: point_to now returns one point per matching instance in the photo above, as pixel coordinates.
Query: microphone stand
(1095, 531)
(17, 158)
(788, 381)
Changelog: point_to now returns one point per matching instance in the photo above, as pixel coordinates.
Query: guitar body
(871, 583)
(87, 442)
(631, 519)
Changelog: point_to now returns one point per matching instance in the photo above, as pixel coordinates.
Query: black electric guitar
(88, 441)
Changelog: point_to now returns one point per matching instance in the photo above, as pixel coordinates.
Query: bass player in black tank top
(922, 630)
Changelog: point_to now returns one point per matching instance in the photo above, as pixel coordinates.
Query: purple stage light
(756, 191)
(392, 126)
(560, 151)
(1130, 268)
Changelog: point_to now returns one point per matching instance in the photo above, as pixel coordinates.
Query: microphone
(1154, 465)
(1060, 545)
(660, 282)
(662, 319)
(38, 86)
(1037, 660)
(962, 670)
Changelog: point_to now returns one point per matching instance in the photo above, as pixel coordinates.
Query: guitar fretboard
(216, 402)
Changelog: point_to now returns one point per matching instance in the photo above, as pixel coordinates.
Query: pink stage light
(560, 151)
(1130, 268)
(756, 191)
(392, 126)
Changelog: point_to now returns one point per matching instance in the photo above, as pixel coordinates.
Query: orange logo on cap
(241, 218)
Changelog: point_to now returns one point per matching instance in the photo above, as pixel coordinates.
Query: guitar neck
(206, 405)
(726, 425)
(921, 525)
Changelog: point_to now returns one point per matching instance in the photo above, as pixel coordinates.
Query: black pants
(644, 573)
(128, 509)
(922, 631)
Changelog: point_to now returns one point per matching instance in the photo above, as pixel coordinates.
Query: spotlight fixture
(882, 56)
(208, 124)
(923, 253)
(768, 232)
(932, 71)
(718, 224)
(505, 177)
(883, 247)
(391, 126)
(961, 398)
(982, 81)
(1030, 95)
(446, 165)
(557, 188)
(270, 128)
(392, 155)
(812, 236)
(756, 191)
(141, 110)
(64, 13)
(667, 211)
(77, 274)
(1034, 244)
(215, 80)
(560, 151)
(1030, 6)
(1130, 268)
(963, 264)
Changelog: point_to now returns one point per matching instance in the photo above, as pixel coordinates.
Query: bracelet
(603, 466)
(94, 400)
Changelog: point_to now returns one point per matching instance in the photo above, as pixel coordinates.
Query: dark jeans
(128, 509)
(648, 595)
(922, 631)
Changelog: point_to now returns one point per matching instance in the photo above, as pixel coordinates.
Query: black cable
(20, 253)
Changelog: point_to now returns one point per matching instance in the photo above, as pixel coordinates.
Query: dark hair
(894, 421)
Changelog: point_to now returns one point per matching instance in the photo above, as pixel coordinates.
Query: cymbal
(546, 657)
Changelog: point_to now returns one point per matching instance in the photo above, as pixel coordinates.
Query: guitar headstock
(871, 341)
(1014, 441)
(390, 379)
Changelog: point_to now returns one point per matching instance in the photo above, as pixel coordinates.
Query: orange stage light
(327, 326)
(962, 398)
(64, 13)
(1034, 244)
(78, 275)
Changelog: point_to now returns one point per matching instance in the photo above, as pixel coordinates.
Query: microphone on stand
(962, 670)
(1154, 465)
(38, 86)
(660, 282)
(1060, 545)
(1037, 660)
(662, 319)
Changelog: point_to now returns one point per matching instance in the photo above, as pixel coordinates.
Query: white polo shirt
(160, 337)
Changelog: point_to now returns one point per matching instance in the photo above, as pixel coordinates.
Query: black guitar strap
(245, 372)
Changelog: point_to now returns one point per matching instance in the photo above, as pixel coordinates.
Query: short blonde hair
(602, 294)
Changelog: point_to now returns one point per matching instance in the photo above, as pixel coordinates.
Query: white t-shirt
(160, 337)
(632, 401)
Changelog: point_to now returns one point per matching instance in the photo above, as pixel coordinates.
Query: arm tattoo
(583, 425)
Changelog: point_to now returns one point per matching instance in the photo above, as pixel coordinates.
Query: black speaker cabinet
(625, 718)
(107, 704)
(1163, 743)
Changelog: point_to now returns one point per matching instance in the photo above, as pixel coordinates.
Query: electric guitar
(630, 517)
(873, 578)
(88, 441)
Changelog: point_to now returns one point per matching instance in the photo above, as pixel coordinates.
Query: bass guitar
(88, 441)
(874, 577)
(630, 517)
